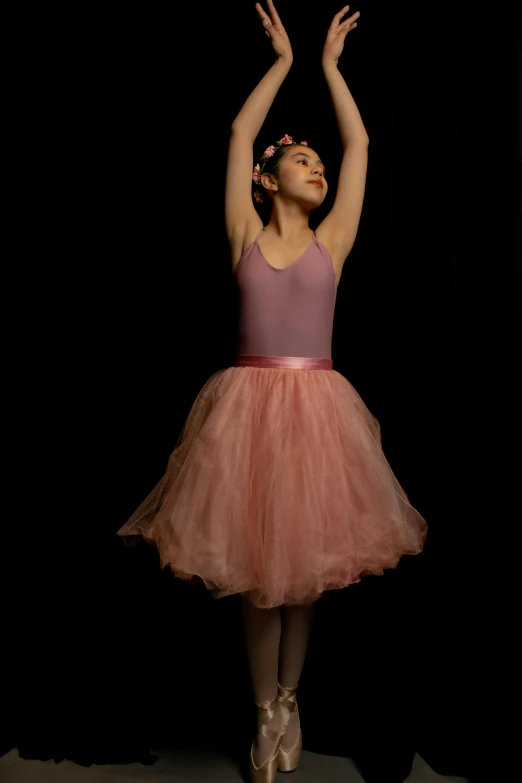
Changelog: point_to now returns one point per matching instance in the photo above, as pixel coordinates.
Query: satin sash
(291, 362)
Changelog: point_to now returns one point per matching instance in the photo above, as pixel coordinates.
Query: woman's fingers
(351, 22)
(273, 12)
(338, 16)
(262, 15)
(275, 31)
(275, 21)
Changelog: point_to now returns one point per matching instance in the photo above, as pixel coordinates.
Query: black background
(112, 656)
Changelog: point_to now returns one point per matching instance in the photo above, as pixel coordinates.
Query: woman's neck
(288, 227)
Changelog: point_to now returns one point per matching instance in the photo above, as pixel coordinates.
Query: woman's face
(301, 176)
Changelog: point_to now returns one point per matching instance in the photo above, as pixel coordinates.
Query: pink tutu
(278, 489)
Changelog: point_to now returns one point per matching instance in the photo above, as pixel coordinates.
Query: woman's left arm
(339, 229)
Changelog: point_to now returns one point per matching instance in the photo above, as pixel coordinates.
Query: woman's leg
(295, 632)
(262, 632)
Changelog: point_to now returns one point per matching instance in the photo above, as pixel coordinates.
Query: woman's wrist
(329, 64)
(284, 62)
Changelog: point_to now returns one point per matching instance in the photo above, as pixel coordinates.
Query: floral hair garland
(258, 169)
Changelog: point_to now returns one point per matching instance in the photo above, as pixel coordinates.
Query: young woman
(278, 488)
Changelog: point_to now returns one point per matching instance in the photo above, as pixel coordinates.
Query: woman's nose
(319, 172)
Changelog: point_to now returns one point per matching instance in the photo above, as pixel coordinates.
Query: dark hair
(272, 164)
(271, 167)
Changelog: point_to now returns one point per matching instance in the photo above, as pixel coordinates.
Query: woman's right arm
(240, 213)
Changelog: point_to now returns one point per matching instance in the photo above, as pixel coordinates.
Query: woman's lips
(315, 182)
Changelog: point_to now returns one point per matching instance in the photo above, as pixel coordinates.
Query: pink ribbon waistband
(292, 362)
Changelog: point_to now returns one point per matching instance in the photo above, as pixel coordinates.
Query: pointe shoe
(288, 758)
(267, 772)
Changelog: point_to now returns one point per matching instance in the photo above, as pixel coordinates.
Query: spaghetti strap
(248, 247)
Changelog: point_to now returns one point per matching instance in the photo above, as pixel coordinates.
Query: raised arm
(339, 228)
(240, 214)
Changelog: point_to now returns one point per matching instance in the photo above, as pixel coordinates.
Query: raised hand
(275, 31)
(338, 31)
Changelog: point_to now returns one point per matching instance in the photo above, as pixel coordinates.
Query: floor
(186, 767)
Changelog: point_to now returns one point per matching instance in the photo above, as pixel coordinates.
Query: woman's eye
(302, 160)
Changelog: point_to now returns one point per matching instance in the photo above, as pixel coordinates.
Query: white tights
(276, 641)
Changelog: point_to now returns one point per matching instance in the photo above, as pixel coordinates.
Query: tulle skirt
(278, 488)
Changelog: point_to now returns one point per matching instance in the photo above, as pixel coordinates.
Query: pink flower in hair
(304, 143)
(255, 174)
(258, 196)
(269, 151)
(286, 139)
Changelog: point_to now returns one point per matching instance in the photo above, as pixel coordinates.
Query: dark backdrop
(114, 656)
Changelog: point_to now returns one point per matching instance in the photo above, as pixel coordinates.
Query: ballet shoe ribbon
(272, 707)
(287, 697)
